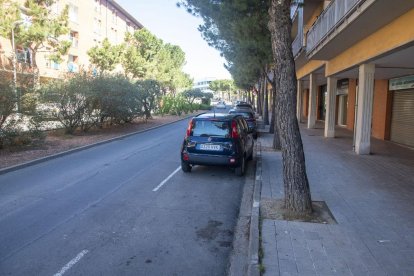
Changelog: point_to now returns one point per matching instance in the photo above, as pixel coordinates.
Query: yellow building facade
(355, 68)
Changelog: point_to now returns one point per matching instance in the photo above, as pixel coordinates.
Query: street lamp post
(14, 25)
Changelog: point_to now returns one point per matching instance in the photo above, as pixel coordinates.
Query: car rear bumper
(212, 160)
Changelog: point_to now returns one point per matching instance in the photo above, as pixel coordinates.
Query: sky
(174, 25)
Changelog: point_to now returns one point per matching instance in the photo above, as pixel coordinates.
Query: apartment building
(90, 21)
(355, 68)
(204, 84)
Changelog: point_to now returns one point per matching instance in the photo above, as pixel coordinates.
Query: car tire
(185, 167)
(240, 169)
(255, 136)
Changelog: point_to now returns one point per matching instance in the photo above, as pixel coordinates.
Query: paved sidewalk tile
(371, 198)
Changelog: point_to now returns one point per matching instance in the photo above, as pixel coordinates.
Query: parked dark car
(243, 105)
(248, 115)
(217, 139)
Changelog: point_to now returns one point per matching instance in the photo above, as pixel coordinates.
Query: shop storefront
(402, 118)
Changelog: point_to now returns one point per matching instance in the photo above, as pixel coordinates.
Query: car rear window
(211, 128)
(247, 115)
(244, 105)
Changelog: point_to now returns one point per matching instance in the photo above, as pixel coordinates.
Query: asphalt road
(103, 211)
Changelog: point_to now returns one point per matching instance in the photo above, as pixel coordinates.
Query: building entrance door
(342, 109)
(402, 120)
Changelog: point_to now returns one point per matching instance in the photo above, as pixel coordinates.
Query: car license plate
(210, 147)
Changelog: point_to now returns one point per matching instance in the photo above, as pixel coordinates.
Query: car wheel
(185, 167)
(240, 169)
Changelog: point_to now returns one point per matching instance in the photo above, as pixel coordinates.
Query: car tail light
(234, 133)
(189, 128)
(186, 157)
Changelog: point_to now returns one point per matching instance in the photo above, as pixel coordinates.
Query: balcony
(75, 42)
(296, 14)
(73, 67)
(297, 44)
(345, 22)
(23, 56)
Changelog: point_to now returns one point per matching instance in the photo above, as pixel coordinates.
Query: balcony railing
(330, 18)
(297, 44)
(23, 56)
(73, 67)
(74, 41)
(294, 7)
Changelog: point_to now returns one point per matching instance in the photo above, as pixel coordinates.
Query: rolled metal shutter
(402, 120)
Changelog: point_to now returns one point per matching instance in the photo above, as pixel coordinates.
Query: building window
(129, 27)
(98, 6)
(52, 64)
(97, 26)
(23, 55)
(74, 38)
(73, 13)
(114, 36)
(114, 17)
(73, 64)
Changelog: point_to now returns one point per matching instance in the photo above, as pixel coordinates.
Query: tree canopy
(106, 56)
(144, 56)
(238, 29)
(223, 86)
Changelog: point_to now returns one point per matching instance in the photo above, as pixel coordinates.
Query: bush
(28, 103)
(20, 131)
(204, 107)
(7, 102)
(117, 100)
(84, 101)
(149, 92)
(71, 102)
(178, 105)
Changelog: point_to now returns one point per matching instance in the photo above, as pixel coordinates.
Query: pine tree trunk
(249, 98)
(258, 99)
(276, 138)
(272, 110)
(297, 192)
(265, 102)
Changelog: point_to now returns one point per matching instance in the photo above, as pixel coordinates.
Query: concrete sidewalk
(371, 198)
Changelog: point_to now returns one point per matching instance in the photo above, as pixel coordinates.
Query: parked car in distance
(217, 139)
(249, 116)
(240, 102)
(243, 105)
(221, 105)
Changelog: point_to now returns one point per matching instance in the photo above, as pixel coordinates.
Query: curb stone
(253, 256)
(63, 153)
(238, 257)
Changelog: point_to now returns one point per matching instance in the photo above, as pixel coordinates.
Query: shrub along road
(102, 211)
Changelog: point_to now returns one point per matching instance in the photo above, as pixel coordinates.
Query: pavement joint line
(165, 180)
(72, 263)
(63, 153)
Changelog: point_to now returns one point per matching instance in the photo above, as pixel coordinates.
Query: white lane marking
(165, 180)
(72, 262)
